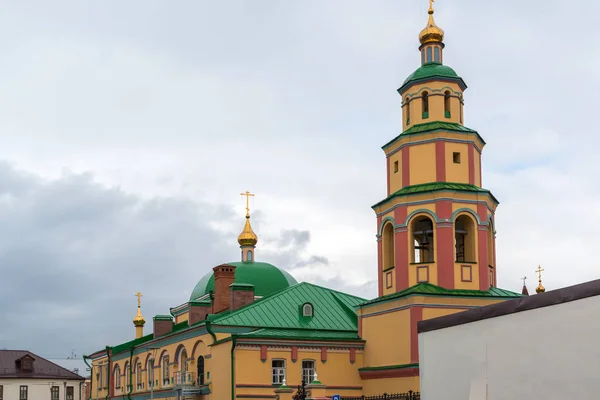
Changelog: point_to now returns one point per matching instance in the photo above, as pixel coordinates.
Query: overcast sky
(128, 130)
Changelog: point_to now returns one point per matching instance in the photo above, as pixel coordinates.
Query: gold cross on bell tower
(248, 195)
(539, 271)
(139, 296)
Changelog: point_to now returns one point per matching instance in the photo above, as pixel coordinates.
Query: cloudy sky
(128, 130)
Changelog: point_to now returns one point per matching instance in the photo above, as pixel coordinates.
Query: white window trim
(304, 370)
(278, 371)
(312, 310)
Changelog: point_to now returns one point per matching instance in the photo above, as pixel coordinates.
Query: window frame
(71, 395)
(139, 378)
(23, 389)
(312, 310)
(1, 392)
(117, 376)
(310, 376)
(55, 393)
(165, 370)
(278, 373)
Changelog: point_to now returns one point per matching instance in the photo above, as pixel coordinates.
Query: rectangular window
(54, 393)
(456, 158)
(23, 393)
(395, 166)
(388, 280)
(423, 274)
(492, 283)
(1, 392)
(308, 371)
(70, 393)
(466, 273)
(277, 372)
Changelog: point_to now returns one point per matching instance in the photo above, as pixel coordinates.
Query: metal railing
(181, 378)
(410, 395)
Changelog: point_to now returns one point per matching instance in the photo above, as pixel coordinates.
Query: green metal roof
(132, 343)
(437, 186)
(428, 289)
(332, 310)
(301, 334)
(266, 278)
(431, 71)
(435, 126)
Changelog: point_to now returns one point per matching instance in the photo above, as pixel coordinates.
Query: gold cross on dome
(139, 296)
(248, 195)
(539, 271)
(431, 4)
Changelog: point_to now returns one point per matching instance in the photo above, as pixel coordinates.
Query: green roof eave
(436, 187)
(432, 71)
(389, 367)
(133, 343)
(435, 126)
(428, 289)
(303, 334)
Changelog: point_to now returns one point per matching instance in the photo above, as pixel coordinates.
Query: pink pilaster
(440, 161)
(471, 165)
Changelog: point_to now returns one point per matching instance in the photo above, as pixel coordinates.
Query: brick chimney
(240, 295)
(199, 310)
(163, 324)
(224, 276)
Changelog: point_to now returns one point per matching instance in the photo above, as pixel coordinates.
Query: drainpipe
(130, 373)
(109, 372)
(85, 358)
(209, 330)
(233, 341)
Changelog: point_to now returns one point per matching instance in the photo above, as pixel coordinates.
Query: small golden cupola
(139, 320)
(247, 239)
(431, 39)
(540, 288)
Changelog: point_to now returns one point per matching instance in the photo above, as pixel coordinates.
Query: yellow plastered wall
(422, 163)
(395, 175)
(375, 387)
(336, 371)
(477, 169)
(415, 139)
(457, 172)
(436, 91)
(389, 277)
(220, 371)
(458, 282)
(388, 338)
(430, 207)
(414, 268)
(182, 317)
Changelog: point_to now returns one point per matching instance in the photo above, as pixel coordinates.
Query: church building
(251, 331)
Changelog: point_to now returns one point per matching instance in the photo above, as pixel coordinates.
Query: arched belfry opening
(465, 238)
(490, 237)
(388, 246)
(425, 104)
(447, 104)
(423, 240)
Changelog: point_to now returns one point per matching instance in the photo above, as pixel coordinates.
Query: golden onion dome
(540, 288)
(139, 319)
(247, 237)
(431, 33)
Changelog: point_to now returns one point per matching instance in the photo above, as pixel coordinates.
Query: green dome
(433, 70)
(266, 278)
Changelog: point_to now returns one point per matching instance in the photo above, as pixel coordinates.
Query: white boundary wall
(541, 354)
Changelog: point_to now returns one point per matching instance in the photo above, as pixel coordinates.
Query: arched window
(447, 104)
(117, 377)
(407, 110)
(150, 372)
(425, 102)
(436, 54)
(465, 239)
(200, 371)
(388, 246)
(429, 54)
(423, 240)
(183, 366)
(249, 255)
(127, 375)
(165, 370)
(422, 56)
(307, 310)
(460, 104)
(139, 380)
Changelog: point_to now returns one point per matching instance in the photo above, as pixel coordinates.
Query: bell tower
(436, 223)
